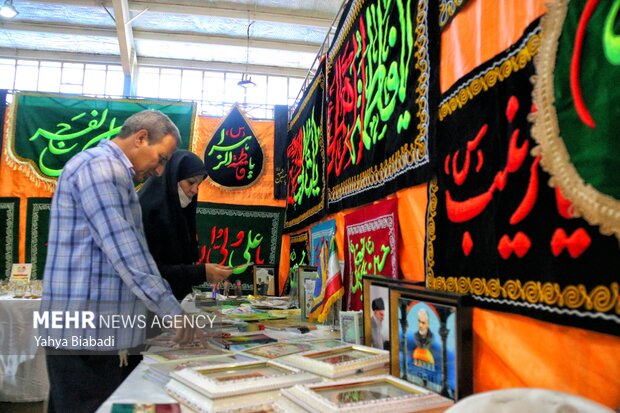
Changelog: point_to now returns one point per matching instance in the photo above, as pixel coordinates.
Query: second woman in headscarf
(169, 215)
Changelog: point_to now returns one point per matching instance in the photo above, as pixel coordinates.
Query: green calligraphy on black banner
(9, 234)
(37, 229)
(234, 235)
(50, 129)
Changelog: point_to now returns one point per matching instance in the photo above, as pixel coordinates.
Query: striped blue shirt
(97, 258)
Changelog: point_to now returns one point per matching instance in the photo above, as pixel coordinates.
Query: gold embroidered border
(447, 9)
(489, 78)
(374, 176)
(595, 207)
(601, 298)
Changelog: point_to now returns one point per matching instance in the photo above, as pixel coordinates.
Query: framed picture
(431, 340)
(277, 350)
(306, 279)
(351, 326)
(265, 280)
(341, 361)
(379, 393)
(225, 380)
(376, 300)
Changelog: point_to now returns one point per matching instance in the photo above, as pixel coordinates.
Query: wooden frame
(378, 394)
(441, 360)
(224, 380)
(305, 272)
(375, 287)
(340, 361)
(265, 275)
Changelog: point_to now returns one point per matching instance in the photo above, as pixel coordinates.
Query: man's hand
(186, 329)
(217, 273)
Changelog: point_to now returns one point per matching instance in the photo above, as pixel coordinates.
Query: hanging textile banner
(371, 239)
(495, 230)
(234, 235)
(37, 229)
(47, 130)
(9, 234)
(300, 249)
(578, 115)
(306, 194)
(280, 141)
(319, 234)
(383, 86)
(448, 9)
(234, 157)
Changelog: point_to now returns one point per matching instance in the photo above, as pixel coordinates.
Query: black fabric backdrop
(306, 198)
(494, 226)
(383, 86)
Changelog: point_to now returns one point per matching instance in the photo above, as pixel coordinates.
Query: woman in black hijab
(169, 217)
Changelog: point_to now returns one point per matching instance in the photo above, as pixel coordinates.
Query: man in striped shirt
(99, 276)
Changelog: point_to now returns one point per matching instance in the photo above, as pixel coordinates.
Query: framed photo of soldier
(431, 340)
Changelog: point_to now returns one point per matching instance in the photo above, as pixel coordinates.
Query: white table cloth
(23, 372)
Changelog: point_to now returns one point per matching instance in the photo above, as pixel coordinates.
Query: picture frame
(431, 340)
(225, 380)
(264, 277)
(376, 290)
(340, 361)
(380, 393)
(306, 279)
(21, 273)
(351, 326)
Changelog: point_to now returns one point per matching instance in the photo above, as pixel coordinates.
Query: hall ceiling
(285, 35)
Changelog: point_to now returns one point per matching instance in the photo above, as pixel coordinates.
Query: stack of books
(360, 395)
(236, 387)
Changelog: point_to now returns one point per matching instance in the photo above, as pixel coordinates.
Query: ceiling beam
(126, 45)
(84, 30)
(232, 11)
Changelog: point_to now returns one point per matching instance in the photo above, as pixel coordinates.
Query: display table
(137, 389)
(23, 372)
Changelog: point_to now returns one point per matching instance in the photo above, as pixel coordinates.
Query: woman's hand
(217, 272)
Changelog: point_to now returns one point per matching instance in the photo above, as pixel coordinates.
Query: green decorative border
(35, 207)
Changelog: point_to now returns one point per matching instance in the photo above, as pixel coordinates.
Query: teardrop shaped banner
(234, 157)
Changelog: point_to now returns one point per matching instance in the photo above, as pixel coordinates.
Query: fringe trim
(12, 160)
(595, 207)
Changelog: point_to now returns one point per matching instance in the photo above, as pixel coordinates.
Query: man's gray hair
(156, 123)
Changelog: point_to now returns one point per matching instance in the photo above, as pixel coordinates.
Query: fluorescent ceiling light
(8, 10)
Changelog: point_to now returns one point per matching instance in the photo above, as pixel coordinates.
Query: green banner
(37, 229)
(235, 235)
(9, 234)
(49, 129)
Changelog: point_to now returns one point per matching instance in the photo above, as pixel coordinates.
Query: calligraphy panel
(9, 234)
(579, 110)
(306, 194)
(383, 86)
(234, 235)
(37, 229)
(319, 234)
(49, 129)
(300, 249)
(495, 230)
(371, 239)
(234, 157)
